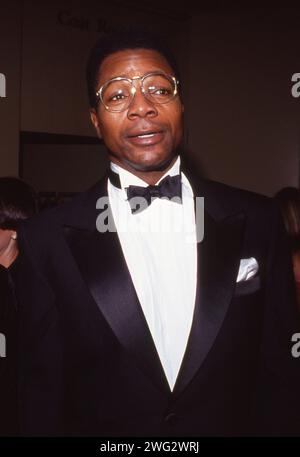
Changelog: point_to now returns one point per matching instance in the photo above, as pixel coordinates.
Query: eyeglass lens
(117, 95)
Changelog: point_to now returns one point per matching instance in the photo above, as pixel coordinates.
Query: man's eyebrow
(122, 75)
(117, 76)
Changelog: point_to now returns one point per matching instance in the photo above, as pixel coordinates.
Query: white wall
(244, 125)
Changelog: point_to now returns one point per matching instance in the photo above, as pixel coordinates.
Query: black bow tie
(169, 187)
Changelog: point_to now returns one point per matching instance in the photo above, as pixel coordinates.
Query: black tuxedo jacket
(88, 364)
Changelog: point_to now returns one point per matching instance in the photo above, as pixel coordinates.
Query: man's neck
(150, 177)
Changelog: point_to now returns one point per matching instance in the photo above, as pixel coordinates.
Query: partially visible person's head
(288, 199)
(141, 126)
(17, 202)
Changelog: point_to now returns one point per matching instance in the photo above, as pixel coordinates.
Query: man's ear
(95, 121)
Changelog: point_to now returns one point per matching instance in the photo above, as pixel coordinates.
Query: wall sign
(67, 18)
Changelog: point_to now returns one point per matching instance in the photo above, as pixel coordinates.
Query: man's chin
(152, 165)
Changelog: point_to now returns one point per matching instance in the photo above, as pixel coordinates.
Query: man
(137, 332)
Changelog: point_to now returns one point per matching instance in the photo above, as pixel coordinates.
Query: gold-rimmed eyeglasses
(157, 87)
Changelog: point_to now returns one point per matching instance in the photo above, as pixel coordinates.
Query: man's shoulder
(223, 199)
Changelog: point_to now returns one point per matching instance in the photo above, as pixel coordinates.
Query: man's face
(145, 136)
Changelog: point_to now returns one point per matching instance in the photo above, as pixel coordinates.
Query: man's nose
(140, 106)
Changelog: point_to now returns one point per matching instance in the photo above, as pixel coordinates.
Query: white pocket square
(248, 268)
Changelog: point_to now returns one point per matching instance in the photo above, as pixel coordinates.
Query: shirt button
(171, 419)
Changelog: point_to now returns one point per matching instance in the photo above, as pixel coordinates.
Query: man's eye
(159, 91)
(117, 97)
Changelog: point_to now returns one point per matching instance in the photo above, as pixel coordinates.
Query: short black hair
(119, 40)
(17, 202)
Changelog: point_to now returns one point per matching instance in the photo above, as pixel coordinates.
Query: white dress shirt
(159, 245)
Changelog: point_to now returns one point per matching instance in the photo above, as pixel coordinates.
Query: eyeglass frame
(133, 89)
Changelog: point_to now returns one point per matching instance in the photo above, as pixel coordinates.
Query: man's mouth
(144, 135)
(146, 138)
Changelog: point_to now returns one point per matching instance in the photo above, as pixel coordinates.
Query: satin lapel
(218, 258)
(101, 262)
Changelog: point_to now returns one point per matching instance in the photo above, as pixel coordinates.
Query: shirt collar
(129, 179)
